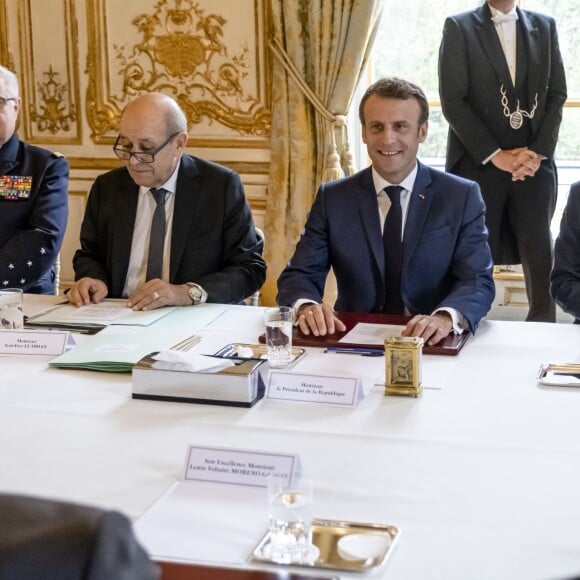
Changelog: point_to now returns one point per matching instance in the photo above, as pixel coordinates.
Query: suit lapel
(533, 53)
(123, 234)
(184, 212)
(419, 204)
(369, 212)
(489, 40)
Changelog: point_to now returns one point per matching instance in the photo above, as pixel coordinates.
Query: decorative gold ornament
(53, 116)
(181, 53)
(403, 366)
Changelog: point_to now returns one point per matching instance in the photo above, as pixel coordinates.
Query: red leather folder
(179, 571)
(449, 346)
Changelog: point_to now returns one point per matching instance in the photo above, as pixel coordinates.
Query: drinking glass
(290, 511)
(11, 315)
(279, 320)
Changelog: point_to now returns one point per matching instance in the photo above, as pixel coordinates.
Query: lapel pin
(422, 196)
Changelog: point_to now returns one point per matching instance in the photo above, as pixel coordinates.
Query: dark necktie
(157, 237)
(393, 252)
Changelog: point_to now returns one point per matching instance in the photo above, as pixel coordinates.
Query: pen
(359, 351)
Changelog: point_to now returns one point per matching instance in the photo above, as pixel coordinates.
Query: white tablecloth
(481, 473)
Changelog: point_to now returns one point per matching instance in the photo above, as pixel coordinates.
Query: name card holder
(337, 391)
(239, 466)
(29, 342)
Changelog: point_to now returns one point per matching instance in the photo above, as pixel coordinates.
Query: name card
(321, 389)
(239, 466)
(51, 342)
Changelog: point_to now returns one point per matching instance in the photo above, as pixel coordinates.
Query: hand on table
(319, 319)
(432, 329)
(87, 291)
(157, 293)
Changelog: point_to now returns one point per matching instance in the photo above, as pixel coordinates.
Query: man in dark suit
(33, 202)
(49, 540)
(436, 239)
(502, 88)
(207, 248)
(565, 278)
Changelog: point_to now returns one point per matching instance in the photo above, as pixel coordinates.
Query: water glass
(11, 315)
(279, 321)
(290, 511)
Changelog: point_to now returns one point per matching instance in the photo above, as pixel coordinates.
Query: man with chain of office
(502, 88)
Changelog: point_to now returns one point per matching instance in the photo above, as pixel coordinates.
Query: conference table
(480, 474)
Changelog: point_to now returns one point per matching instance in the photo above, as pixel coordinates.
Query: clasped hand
(520, 162)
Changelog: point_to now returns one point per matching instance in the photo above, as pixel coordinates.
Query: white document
(371, 334)
(205, 522)
(102, 314)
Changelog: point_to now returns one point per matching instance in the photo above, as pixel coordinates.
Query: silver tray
(559, 375)
(326, 535)
(259, 351)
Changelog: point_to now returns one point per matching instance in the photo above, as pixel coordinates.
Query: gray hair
(10, 80)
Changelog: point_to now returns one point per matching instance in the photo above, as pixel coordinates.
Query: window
(407, 45)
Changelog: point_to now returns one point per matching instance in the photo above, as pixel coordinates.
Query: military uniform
(33, 215)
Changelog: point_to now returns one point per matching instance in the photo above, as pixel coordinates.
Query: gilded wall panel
(48, 70)
(6, 57)
(207, 54)
(77, 203)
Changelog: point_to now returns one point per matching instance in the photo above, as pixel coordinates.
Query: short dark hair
(395, 88)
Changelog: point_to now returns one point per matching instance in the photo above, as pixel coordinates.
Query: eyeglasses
(4, 101)
(140, 156)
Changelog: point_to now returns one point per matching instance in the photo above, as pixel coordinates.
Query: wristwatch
(195, 293)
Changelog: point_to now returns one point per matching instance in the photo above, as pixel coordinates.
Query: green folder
(118, 348)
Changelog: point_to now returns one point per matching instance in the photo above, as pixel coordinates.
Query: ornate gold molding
(54, 115)
(178, 48)
(6, 58)
(49, 92)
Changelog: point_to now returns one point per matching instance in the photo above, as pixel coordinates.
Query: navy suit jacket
(48, 540)
(565, 277)
(213, 240)
(446, 259)
(472, 67)
(32, 227)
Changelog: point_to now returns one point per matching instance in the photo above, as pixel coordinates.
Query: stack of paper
(119, 347)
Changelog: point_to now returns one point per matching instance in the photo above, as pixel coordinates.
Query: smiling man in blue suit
(402, 238)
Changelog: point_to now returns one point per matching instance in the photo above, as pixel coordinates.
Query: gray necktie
(157, 238)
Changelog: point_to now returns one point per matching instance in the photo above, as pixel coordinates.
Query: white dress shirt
(505, 26)
(140, 244)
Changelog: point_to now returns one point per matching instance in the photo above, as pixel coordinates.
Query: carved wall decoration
(49, 72)
(6, 58)
(54, 115)
(198, 56)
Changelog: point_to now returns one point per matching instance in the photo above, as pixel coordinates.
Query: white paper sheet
(371, 334)
(205, 522)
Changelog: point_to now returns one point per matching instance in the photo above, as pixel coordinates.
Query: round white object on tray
(244, 352)
(363, 546)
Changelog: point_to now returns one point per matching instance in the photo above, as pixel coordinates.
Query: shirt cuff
(457, 319)
(488, 159)
(296, 306)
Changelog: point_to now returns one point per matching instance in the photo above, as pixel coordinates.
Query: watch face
(194, 293)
